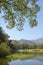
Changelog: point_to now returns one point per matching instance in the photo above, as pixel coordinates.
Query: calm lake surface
(37, 60)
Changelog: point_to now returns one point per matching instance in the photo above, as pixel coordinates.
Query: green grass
(31, 53)
(19, 56)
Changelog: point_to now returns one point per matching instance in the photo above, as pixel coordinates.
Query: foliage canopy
(16, 11)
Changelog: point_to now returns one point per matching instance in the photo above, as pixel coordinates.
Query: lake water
(38, 60)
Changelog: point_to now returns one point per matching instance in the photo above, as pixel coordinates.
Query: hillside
(38, 41)
(26, 41)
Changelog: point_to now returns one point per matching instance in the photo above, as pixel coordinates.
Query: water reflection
(38, 58)
(26, 62)
(35, 60)
(4, 61)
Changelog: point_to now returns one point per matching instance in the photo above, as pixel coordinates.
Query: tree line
(12, 46)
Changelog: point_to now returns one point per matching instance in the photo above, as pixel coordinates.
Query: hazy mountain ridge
(38, 41)
(26, 41)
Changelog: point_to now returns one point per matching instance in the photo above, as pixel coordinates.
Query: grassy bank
(29, 53)
(19, 56)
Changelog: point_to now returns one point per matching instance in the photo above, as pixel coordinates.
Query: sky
(28, 33)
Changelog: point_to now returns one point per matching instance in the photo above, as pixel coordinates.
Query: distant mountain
(38, 41)
(26, 41)
(23, 41)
